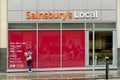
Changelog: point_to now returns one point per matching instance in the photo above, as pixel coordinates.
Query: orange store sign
(61, 15)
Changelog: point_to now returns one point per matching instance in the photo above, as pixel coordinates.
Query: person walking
(28, 56)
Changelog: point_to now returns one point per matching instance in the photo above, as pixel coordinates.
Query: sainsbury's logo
(62, 15)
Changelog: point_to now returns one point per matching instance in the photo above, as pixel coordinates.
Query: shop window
(49, 26)
(89, 26)
(18, 42)
(73, 48)
(21, 26)
(105, 25)
(103, 47)
(49, 49)
(73, 26)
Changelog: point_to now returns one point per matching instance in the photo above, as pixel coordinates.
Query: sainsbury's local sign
(62, 15)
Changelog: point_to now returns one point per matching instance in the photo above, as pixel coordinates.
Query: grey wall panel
(14, 4)
(14, 16)
(108, 4)
(93, 4)
(46, 5)
(118, 58)
(3, 59)
(61, 5)
(50, 20)
(109, 15)
(29, 5)
(76, 4)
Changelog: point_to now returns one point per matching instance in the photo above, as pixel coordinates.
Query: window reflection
(103, 47)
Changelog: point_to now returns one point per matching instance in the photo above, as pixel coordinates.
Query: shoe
(30, 71)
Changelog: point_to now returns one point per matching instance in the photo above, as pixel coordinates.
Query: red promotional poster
(18, 42)
(49, 49)
(73, 48)
(53, 49)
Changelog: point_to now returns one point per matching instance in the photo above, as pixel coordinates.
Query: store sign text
(62, 15)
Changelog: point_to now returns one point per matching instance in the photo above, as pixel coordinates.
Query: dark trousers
(29, 64)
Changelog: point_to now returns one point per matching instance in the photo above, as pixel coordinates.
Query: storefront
(66, 39)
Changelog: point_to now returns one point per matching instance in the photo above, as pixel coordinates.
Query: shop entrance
(102, 43)
(103, 47)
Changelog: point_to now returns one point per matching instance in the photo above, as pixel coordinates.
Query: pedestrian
(28, 56)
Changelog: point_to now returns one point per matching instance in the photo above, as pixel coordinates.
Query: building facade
(3, 35)
(62, 34)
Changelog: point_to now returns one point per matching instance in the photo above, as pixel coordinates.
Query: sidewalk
(61, 75)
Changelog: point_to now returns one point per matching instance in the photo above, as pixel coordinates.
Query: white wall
(118, 23)
(3, 23)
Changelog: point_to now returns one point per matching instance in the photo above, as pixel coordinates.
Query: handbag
(28, 58)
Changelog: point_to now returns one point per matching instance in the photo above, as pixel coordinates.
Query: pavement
(61, 75)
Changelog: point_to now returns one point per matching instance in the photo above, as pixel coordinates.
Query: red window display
(49, 49)
(18, 42)
(73, 48)
(49, 56)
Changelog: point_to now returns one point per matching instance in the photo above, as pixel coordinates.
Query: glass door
(104, 43)
(102, 47)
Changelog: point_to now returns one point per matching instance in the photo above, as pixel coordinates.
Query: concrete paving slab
(61, 75)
